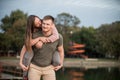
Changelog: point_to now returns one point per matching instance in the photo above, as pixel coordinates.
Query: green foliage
(86, 36)
(66, 19)
(66, 23)
(13, 27)
(104, 40)
(109, 39)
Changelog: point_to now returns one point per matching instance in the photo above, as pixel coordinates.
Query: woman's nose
(39, 22)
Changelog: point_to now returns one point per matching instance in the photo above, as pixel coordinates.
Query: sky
(90, 12)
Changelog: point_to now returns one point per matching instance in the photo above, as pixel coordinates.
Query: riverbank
(71, 62)
(91, 63)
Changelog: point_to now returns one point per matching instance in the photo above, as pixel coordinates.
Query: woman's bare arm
(53, 37)
(34, 41)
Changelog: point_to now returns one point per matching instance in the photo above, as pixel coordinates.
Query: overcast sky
(90, 12)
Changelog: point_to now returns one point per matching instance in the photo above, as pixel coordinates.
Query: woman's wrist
(41, 41)
(36, 42)
(39, 38)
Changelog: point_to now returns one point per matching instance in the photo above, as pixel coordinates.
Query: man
(41, 64)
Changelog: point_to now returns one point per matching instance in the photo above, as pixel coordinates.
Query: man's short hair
(48, 17)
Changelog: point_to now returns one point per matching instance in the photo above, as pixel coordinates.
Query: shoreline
(91, 63)
(72, 62)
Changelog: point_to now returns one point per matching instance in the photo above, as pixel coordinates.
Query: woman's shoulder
(37, 34)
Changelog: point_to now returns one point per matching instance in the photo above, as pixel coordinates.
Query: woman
(34, 25)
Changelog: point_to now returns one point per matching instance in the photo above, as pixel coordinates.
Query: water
(89, 74)
(108, 73)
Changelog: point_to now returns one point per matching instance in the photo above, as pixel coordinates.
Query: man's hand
(39, 44)
(24, 68)
(57, 67)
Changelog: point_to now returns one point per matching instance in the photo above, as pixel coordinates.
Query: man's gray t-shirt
(43, 56)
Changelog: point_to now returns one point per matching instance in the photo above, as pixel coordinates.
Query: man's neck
(48, 33)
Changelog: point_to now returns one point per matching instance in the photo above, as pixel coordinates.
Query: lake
(89, 74)
(86, 70)
(106, 73)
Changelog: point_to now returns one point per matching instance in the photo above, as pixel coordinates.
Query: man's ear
(52, 24)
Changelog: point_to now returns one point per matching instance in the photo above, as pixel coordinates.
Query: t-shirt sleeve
(60, 42)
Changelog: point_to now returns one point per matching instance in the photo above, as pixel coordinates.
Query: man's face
(37, 22)
(47, 25)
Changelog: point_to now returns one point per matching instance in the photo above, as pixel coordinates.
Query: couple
(41, 41)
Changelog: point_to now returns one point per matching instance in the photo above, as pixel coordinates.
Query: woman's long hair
(29, 31)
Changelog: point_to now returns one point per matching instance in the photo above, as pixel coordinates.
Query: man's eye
(47, 24)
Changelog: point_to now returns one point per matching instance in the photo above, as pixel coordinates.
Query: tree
(65, 19)
(109, 39)
(65, 23)
(86, 36)
(13, 28)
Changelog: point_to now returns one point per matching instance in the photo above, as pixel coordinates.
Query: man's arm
(22, 53)
(61, 52)
(23, 50)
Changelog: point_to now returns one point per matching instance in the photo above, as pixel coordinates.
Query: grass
(8, 58)
(66, 59)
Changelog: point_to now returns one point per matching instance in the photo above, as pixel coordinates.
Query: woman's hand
(24, 68)
(44, 39)
(39, 44)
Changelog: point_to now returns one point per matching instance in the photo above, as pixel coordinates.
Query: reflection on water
(10, 73)
(73, 73)
(88, 74)
(103, 74)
